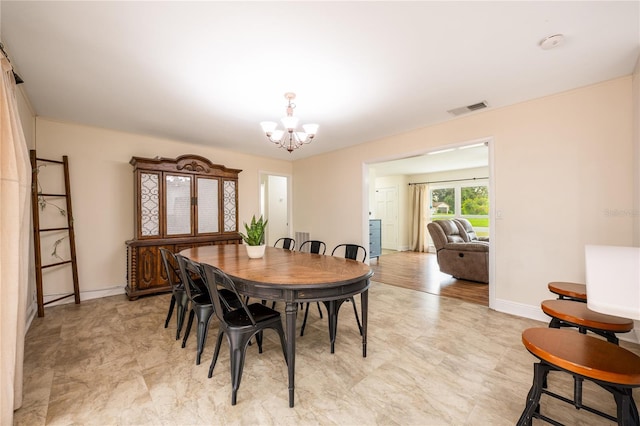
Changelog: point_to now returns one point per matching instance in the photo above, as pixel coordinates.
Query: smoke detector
(551, 41)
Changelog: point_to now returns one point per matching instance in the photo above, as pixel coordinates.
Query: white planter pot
(255, 252)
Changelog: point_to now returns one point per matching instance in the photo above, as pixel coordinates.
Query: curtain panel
(419, 207)
(15, 180)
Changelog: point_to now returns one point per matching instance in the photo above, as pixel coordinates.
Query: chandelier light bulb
(268, 127)
(289, 138)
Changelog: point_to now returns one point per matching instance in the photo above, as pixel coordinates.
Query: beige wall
(562, 173)
(102, 193)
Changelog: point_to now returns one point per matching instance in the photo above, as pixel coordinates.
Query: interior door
(387, 211)
(275, 206)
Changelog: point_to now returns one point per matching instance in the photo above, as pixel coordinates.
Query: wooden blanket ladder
(38, 200)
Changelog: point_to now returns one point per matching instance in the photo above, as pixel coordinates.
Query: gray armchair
(459, 255)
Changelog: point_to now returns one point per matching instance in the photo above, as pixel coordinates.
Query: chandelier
(289, 138)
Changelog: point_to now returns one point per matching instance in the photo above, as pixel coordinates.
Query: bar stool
(613, 368)
(570, 291)
(569, 313)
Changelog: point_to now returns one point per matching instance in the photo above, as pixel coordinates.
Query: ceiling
(461, 157)
(209, 72)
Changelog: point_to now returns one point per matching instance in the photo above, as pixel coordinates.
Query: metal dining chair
(352, 252)
(286, 243)
(238, 325)
(179, 298)
(201, 305)
(315, 247)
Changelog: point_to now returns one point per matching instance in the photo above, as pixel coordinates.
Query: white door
(274, 192)
(387, 211)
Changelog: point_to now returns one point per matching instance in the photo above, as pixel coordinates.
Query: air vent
(468, 108)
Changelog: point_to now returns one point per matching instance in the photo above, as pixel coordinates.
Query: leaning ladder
(36, 197)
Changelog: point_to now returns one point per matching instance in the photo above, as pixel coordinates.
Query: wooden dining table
(292, 277)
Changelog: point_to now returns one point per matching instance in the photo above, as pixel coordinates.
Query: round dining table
(292, 277)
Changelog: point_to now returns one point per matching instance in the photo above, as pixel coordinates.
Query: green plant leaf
(254, 235)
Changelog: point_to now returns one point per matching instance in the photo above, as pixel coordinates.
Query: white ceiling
(461, 157)
(209, 72)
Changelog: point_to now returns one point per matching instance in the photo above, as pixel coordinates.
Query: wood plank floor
(419, 271)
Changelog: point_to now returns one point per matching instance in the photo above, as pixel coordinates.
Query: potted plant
(254, 237)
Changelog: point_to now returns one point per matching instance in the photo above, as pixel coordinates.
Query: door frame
(366, 188)
(263, 175)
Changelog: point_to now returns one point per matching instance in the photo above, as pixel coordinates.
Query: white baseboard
(535, 313)
(84, 295)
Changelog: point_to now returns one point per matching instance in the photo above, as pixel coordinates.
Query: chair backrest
(171, 268)
(466, 229)
(188, 269)
(351, 251)
(314, 246)
(451, 230)
(287, 243)
(443, 232)
(214, 277)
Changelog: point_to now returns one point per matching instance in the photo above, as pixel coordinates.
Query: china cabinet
(178, 203)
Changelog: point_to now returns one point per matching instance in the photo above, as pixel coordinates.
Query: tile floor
(431, 361)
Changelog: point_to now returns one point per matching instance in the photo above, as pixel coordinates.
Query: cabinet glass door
(230, 204)
(208, 218)
(178, 204)
(149, 204)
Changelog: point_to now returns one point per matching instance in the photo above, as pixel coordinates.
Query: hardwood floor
(419, 271)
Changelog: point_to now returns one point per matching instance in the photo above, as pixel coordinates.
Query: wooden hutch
(179, 203)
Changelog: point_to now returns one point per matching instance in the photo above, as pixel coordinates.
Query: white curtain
(419, 207)
(15, 180)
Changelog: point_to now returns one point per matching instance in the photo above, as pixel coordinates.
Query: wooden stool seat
(569, 313)
(610, 366)
(567, 290)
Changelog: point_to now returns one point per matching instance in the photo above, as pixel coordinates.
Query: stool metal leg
(540, 372)
(627, 410)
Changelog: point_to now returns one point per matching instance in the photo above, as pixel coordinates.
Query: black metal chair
(287, 243)
(316, 247)
(352, 252)
(179, 296)
(239, 325)
(201, 305)
(313, 246)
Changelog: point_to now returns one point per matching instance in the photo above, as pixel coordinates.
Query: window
(468, 199)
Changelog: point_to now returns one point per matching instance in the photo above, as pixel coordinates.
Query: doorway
(465, 162)
(275, 205)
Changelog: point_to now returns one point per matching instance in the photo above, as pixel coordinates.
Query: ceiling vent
(468, 108)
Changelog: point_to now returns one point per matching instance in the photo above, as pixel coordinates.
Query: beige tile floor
(431, 361)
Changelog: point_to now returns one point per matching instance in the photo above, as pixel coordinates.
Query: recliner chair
(458, 255)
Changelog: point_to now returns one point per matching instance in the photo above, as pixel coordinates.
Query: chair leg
(182, 311)
(203, 325)
(238, 346)
(319, 310)
(259, 340)
(171, 305)
(188, 330)
(304, 322)
(283, 341)
(216, 353)
(355, 311)
(540, 372)
(627, 411)
(333, 307)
